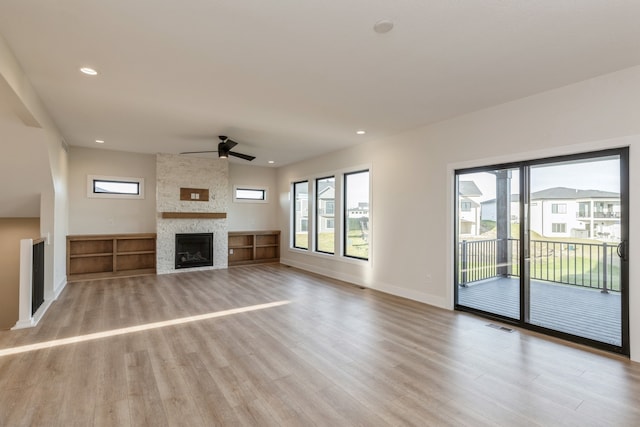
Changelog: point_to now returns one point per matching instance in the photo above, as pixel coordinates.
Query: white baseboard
(58, 290)
(378, 286)
(23, 324)
(39, 314)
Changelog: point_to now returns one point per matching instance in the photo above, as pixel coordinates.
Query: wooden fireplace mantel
(192, 215)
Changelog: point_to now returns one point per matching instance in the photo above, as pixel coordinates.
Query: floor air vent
(501, 328)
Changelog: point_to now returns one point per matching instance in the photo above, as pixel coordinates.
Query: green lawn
(356, 245)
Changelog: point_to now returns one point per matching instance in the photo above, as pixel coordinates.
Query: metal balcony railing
(589, 265)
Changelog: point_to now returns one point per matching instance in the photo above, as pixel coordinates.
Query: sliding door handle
(622, 250)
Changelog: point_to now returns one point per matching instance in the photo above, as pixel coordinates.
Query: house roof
(563, 193)
(560, 193)
(469, 189)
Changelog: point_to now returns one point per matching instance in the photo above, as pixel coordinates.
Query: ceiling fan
(224, 150)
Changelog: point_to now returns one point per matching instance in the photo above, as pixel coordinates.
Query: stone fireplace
(173, 173)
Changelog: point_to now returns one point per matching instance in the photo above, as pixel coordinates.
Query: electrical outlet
(230, 251)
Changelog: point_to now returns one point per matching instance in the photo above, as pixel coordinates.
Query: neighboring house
(302, 212)
(326, 207)
(569, 212)
(326, 210)
(488, 209)
(469, 217)
(362, 211)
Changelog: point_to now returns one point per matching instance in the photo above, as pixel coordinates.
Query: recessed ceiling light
(271, 162)
(383, 26)
(89, 71)
(100, 141)
(360, 132)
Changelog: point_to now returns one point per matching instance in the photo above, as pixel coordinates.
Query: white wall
(412, 181)
(245, 216)
(108, 216)
(53, 195)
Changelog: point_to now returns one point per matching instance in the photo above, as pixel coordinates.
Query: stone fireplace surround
(174, 172)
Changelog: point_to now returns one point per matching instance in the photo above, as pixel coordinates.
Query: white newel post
(25, 318)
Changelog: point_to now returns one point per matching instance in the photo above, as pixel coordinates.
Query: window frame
(92, 194)
(345, 212)
(294, 216)
(317, 215)
(264, 190)
(340, 213)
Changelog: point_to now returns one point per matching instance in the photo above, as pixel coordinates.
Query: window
(339, 224)
(329, 207)
(559, 208)
(301, 215)
(249, 194)
(558, 227)
(356, 214)
(325, 206)
(465, 206)
(115, 187)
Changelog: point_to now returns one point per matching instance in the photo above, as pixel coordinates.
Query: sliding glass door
(488, 233)
(544, 244)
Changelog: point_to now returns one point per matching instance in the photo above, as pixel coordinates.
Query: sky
(601, 175)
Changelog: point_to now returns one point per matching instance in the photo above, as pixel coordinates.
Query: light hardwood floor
(208, 351)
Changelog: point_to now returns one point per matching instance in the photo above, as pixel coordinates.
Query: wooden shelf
(253, 247)
(90, 255)
(96, 256)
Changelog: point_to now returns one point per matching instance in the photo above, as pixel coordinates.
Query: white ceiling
(291, 79)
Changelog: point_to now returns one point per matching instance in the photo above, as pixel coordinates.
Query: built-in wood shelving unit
(253, 247)
(94, 256)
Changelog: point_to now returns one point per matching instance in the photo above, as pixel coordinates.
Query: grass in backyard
(356, 245)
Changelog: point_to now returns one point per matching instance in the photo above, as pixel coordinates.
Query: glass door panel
(487, 241)
(575, 233)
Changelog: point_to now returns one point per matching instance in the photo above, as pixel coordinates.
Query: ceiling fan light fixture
(223, 149)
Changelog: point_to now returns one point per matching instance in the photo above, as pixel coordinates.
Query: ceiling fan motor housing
(223, 150)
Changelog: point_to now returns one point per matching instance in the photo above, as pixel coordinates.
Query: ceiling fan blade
(198, 152)
(241, 156)
(228, 142)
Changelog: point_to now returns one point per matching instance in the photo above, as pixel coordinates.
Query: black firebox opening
(194, 250)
